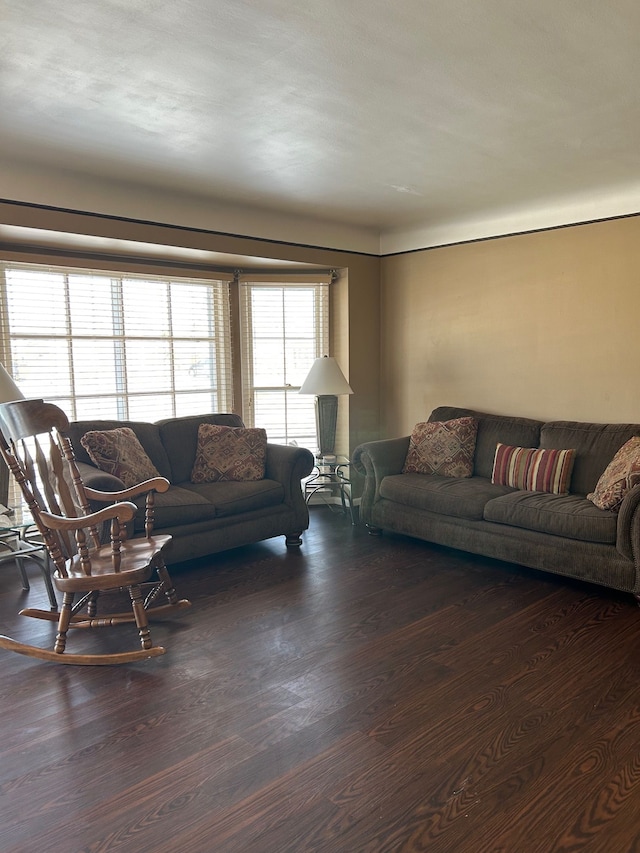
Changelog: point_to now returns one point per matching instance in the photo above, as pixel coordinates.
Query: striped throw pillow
(533, 469)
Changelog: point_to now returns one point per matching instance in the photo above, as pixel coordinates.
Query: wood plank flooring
(359, 695)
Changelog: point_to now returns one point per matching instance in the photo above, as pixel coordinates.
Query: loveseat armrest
(101, 481)
(376, 460)
(628, 530)
(288, 464)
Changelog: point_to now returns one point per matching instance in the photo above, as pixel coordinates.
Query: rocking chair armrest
(124, 512)
(157, 484)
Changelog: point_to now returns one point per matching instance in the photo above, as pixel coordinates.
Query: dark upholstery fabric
(203, 523)
(236, 496)
(590, 561)
(180, 439)
(147, 434)
(521, 432)
(596, 445)
(176, 506)
(462, 497)
(565, 534)
(561, 515)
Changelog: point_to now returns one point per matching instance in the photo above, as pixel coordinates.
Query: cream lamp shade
(327, 382)
(9, 392)
(325, 377)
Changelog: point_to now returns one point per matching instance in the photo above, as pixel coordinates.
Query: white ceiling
(409, 120)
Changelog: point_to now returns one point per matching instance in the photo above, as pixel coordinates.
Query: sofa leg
(293, 540)
(373, 531)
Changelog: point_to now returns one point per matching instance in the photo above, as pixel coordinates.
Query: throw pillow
(229, 453)
(442, 447)
(119, 452)
(619, 477)
(533, 469)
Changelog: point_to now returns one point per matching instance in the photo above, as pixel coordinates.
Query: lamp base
(326, 421)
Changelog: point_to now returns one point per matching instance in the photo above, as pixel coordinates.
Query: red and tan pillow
(119, 452)
(619, 477)
(442, 447)
(533, 469)
(229, 453)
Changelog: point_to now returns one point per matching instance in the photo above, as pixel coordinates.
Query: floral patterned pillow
(119, 452)
(619, 477)
(442, 447)
(229, 453)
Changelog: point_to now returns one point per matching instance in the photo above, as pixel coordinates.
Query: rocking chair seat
(137, 557)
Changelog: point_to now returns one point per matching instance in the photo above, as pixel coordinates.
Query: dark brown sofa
(209, 517)
(565, 534)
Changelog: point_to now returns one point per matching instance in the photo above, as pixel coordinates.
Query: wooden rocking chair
(35, 446)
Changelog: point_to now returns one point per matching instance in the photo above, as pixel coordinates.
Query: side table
(17, 542)
(331, 478)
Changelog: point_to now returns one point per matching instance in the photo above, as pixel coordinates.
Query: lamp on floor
(9, 392)
(327, 382)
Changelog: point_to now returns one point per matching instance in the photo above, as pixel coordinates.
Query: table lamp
(9, 392)
(326, 381)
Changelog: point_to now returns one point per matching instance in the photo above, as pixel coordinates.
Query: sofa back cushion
(179, 437)
(147, 434)
(523, 432)
(595, 446)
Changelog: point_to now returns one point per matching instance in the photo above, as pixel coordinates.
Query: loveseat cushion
(119, 452)
(571, 516)
(522, 432)
(188, 503)
(147, 434)
(174, 507)
(234, 497)
(179, 437)
(463, 498)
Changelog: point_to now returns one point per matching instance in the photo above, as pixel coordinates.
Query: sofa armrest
(288, 464)
(99, 480)
(628, 532)
(375, 460)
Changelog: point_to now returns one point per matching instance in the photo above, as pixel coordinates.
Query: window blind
(284, 327)
(117, 345)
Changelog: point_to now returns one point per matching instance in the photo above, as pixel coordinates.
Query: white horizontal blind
(284, 327)
(117, 345)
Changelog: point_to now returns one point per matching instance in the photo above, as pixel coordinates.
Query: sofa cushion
(460, 497)
(119, 452)
(231, 498)
(571, 516)
(595, 446)
(174, 507)
(619, 477)
(188, 503)
(523, 432)
(147, 434)
(179, 437)
(442, 447)
(533, 469)
(229, 453)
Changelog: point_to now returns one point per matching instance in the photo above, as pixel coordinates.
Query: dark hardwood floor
(359, 694)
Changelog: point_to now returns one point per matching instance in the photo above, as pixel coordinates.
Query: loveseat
(562, 533)
(204, 518)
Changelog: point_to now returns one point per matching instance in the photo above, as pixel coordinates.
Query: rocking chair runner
(35, 446)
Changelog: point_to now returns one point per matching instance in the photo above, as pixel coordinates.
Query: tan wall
(355, 304)
(542, 325)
